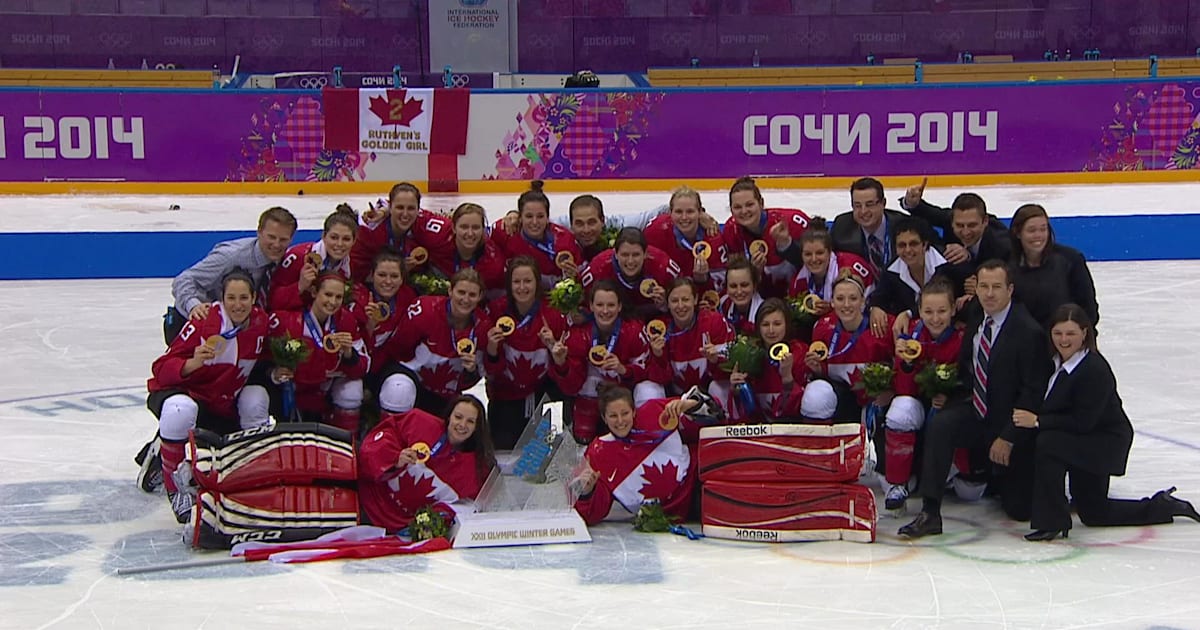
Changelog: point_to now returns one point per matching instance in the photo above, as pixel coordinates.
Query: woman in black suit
(1048, 274)
(1083, 429)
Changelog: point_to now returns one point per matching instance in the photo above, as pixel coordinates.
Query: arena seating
(181, 79)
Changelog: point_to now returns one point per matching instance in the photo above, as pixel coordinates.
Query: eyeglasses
(868, 205)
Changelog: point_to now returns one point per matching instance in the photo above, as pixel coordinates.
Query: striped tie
(979, 392)
(876, 252)
(264, 287)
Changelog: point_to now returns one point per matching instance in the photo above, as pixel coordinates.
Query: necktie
(876, 251)
(264, 286)
(982, 355)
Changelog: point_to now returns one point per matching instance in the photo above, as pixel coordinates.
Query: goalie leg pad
(289, 453)
(809, 453)
(275, 514)
(788, 512)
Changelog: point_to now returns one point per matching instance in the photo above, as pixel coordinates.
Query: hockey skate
(896, 497)
(150, 476)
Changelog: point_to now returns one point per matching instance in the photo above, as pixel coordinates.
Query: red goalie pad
(787, 512)
(289, 453)
(275, 514)
(782, 452)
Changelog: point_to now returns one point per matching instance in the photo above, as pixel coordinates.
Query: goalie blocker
(809, 453)
(290, 482)
(787, 512)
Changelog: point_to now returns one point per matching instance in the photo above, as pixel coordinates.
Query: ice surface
(72, 414)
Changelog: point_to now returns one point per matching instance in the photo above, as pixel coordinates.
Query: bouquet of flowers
(652, 518)
(429, 284)
(289, 353)
(803, 316)
(428, 523)
(609, 234)
(876, 379)
(746, 354)
(937, 378)
(567, 295)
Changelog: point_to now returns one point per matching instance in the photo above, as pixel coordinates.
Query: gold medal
(702, 250)
(668, 422)
(779, 351)
(820, 349)
(809, 304)
(911, 350)
(563, 259)
(329, 343)
(647, 287)
(423, 452)
(711, 297)
(597, 355)
(465, 346)
(217, 343)
(419, 255)
(758, 247)
(656, 328)
(506, 325)
(314, 259)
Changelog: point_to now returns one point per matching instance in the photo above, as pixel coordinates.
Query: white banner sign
(469, 35)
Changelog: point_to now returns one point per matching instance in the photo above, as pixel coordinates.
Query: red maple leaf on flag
(659, 481)
(395, 109)
(415, 490)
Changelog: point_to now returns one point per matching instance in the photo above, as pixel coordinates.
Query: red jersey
(647, 464)
(851, 350)
(661, 233)
(426, 344)
(943, 349)
(488, 261)
(683, 362)
(775, 401)
(376, 338)
(391, 496)
(657, 266)
(522, 361)
(743, 324)
(218, 382)
(838, 263)
(777, 273)
(285, 281)
(556, 239)
(432, 231)
(315, 375)
(580, 377)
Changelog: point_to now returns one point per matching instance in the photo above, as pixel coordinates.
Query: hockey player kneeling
(642, 458)
(290, 482)
(416, 459)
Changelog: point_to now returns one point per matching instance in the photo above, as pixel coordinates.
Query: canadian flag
(429, 120)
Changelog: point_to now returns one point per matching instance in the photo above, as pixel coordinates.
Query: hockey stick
(186, 564)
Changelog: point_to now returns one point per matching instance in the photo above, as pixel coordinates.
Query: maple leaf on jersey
(395, 110)
(690, 375)
(414, 490)
(659, 481)
(522, 370)
(442, 377)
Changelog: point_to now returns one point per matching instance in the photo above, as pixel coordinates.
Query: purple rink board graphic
(277, 136)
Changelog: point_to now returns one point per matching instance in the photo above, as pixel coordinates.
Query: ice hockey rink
(76, 355)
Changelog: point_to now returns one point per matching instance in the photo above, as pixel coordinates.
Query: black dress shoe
(925, 524)
(1178, 507)
(1043, 535)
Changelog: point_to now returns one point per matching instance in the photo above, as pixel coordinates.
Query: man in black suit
(972, 235)
(869, 229)
(1003, 367)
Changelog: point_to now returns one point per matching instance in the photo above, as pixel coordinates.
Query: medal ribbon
(512, 310)
(453, 337)
(318, 335)
(545, 246)
(391, 302)
(621, 275)
(612, 340)
(684, 242)
(837, 333)
(762, 229)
